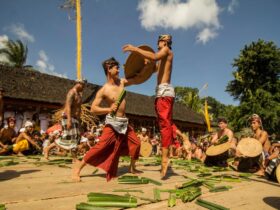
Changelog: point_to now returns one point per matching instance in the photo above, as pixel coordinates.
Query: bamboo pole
(207, 116)
(79, 39)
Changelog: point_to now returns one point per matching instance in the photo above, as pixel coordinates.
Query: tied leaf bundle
(187, 194)
(172, 200)
(127, 191)
(137, 180)
(107, 200)
(157, 194)
(88, 206)
(220, 188)
(119, 101)
(222, 140)
(210, 205)
(8, 163)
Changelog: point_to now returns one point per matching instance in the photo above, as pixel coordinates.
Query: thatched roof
(33, 85)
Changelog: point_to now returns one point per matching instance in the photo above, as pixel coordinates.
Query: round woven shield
(249, 147)
(135, 64)
(145, 149)
(215, 150)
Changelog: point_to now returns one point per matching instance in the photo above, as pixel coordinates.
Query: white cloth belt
(119, 124)
(165, 89)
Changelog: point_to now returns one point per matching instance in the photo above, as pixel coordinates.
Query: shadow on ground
(272, 201)
(265, 181)
(11, 174)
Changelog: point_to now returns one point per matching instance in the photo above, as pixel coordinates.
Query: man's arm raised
(147, 54)
(140, 76)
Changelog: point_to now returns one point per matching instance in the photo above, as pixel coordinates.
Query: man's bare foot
(76, 173)
(20, 154)
(75, 160)
(260, 173)
(46, 154)
(135, 171)
(164, 167)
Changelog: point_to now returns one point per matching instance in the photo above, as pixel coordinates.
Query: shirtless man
(224, 130)
(165, 93)
(262, 136)
(259, 133)
(185, 149)
(70, 121)
(143, 135)
(118, 138)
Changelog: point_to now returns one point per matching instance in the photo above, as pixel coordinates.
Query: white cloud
(206, 34)
(3, 39)
(232, 6)
(45, 67)
(20, 32)
(179, 14)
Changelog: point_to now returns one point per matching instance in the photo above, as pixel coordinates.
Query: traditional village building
(32, 93)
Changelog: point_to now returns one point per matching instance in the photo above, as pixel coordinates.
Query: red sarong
(55, 127)
(164, 107)
(106, 153)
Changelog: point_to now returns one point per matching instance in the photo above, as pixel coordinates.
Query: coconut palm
(192, 100)
(16, 52)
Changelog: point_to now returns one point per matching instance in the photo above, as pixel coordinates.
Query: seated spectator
(7, 136)
(25, 140)
(154, 140)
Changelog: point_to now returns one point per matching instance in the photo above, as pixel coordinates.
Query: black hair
(109, 63)
(222, 119)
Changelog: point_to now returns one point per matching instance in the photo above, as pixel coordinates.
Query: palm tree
(192, 100)
(16, 53)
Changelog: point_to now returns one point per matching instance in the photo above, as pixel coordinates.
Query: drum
(251, 149)
(215, 150)
(217, 155)
(278, 173)
(135, 64)
(145, 149)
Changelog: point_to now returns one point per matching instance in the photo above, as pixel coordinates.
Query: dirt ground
(28, 185)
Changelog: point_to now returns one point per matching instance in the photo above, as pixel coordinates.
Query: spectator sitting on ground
(83, 147)
(7, 136)
(143, 136)
(154, 142)
(24, 141)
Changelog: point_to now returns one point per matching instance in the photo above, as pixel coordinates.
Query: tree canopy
(256, 85)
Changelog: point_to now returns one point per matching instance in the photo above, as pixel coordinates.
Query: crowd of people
(102, 146)
(31, 141)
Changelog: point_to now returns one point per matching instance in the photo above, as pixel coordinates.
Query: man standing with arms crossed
(165, 93)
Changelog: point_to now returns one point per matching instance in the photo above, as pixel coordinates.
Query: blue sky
(207, 36)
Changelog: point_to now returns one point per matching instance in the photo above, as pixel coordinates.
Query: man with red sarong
(165, 93)
(118, 138)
